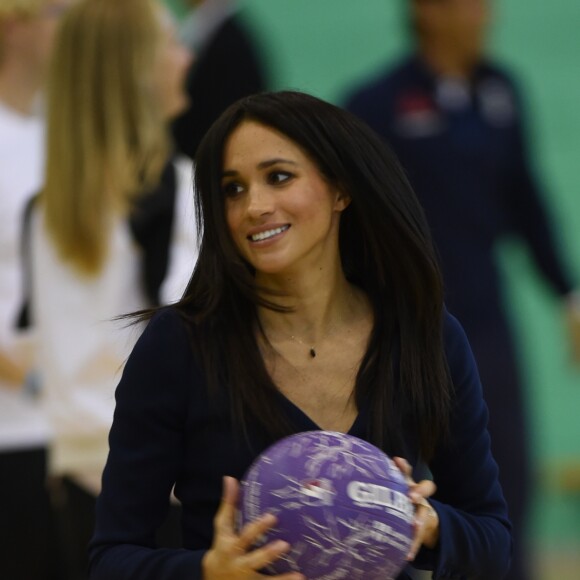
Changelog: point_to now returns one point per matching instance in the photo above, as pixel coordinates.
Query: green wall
(324, 46)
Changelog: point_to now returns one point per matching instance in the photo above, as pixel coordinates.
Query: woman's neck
(320, 304)
(445, 60)
(19, 88)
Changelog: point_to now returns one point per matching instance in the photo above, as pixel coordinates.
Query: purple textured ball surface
(341, 503)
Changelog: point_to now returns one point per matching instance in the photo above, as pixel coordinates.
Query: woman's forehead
(252, 140)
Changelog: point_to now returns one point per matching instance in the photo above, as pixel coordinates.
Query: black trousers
(74, 513)
(74, 509)
(508, 426)
(27, 547)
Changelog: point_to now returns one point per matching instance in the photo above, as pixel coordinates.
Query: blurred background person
(27, 28)
(100, 239)
(455, 120)
(227, 67)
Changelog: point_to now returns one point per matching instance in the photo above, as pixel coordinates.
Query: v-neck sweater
(166, 435)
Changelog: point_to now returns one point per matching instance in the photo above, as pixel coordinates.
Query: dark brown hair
(385, 249)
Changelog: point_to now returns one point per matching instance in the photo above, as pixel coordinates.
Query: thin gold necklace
(311, 349)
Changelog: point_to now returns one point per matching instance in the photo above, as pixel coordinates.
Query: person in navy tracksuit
(454, 119)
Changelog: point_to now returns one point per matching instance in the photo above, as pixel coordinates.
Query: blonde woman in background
(27, 29)
(108, 229)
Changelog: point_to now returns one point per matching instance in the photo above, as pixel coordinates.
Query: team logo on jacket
(417, 115)
(497, 102)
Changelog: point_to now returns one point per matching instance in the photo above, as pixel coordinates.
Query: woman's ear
(342, 201)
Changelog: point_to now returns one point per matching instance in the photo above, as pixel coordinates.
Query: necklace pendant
(312, 353)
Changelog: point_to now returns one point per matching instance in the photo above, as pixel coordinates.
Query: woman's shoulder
(460, 359)
(167, 330)
(454, 336)
(163, 358)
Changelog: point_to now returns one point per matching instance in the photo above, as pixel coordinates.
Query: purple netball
(341, 503)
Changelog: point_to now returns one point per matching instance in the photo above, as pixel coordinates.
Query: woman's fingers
(422, 512)
(251, 532)
(261, 557)
(417, 540)
(238, 548)
(426, 528)
(224, 520)
(404, 467)
(419, 491)
(232, 555)
(426, 521)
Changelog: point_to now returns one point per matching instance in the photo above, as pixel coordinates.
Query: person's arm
(11, 373)
(531, 219)
(529, 214)
(474, 535)
(146, 449)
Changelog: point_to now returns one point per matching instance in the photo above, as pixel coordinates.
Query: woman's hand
(426, 518)
(11, 372)
(229, 557)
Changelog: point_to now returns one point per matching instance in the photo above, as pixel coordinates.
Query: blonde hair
(10, 9)
(20, 8)
(107, 139)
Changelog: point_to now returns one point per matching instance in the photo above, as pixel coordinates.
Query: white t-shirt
(80, 348)
(22, 425)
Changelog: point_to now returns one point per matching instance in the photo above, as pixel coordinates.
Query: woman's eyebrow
(269, 162)
(262, 165)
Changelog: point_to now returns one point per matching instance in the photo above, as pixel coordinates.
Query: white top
(184, 249)
(80, 349)
(21, 174)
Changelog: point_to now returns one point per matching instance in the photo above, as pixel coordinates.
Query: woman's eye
(232, 189)
(277, 177)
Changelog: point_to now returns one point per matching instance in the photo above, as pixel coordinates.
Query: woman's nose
(260, 202)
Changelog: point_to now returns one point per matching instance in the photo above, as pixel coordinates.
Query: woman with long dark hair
(316, 303)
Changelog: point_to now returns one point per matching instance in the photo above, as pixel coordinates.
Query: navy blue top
(166, 432)
(463, 148)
